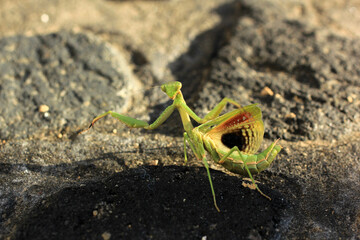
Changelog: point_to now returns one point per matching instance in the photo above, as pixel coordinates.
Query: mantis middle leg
(201, 156)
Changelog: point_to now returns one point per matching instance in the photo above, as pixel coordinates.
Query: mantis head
(171, 89)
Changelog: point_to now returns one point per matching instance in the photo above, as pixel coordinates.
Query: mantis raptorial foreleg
(135, 123)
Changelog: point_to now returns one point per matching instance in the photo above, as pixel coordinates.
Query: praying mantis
(232, 139)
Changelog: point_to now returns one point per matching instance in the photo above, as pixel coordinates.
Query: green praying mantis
(231, 139)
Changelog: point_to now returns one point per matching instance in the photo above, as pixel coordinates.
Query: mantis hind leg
(253, 181)
(224, 158)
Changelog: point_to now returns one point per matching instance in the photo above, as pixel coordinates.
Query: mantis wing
(245, 130)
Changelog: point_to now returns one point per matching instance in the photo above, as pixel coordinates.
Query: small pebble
(44, 108)
(290, 115)
(95, 213)
(154, 162)
(267, 92)
(106, 235)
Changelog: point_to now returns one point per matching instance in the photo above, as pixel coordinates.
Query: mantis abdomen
(256, 163)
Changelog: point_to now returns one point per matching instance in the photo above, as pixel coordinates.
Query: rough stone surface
(69, 73)
(63, 63)
(304, 67)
